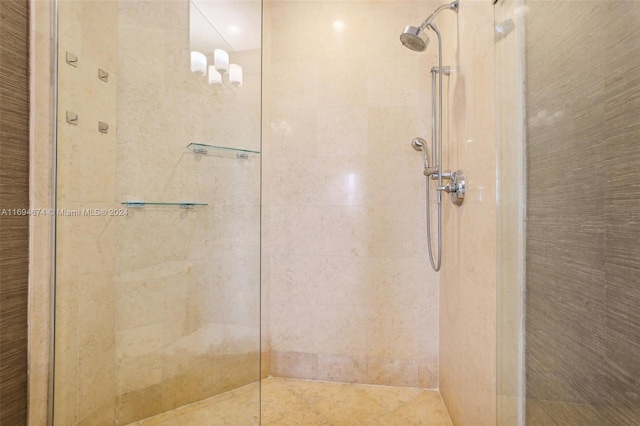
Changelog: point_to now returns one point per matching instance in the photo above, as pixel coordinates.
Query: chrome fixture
(418, 144)
(103, 75)
(455, 188)
(445, 70)
(416, 39)
(72, 118)
(72, 59)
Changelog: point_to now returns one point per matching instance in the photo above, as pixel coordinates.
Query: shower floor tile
(291, 402)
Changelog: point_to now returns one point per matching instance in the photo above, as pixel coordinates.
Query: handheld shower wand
(418, 144)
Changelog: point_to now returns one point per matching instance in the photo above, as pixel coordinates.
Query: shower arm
(451, 6)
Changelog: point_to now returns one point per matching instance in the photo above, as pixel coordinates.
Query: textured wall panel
(14, 194)
(582, 266)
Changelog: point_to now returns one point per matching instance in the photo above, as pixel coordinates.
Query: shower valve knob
(456, 188)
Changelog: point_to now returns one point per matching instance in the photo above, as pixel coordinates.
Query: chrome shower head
(414, 38)
(418, 144)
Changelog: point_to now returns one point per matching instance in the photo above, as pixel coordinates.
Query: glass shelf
(221, 151)
(182, 205)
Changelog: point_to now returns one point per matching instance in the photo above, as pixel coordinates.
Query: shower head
(418, 144)
(414, 38)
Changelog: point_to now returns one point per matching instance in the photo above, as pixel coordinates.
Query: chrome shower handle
(456, 187)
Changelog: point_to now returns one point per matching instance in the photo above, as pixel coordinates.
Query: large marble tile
(289, 402)
(344, 190)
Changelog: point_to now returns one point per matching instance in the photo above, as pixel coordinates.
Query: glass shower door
(158, 225)
(509, 22)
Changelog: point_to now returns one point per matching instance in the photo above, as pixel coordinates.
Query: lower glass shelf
(221, 151)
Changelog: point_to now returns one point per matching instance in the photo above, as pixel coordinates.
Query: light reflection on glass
(351, 188)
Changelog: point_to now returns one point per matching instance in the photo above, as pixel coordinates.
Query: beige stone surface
(86, 171)
(468, 275)
(187, 282)
(344, 271)
(350, 296)
(164, 300)
(291, 402)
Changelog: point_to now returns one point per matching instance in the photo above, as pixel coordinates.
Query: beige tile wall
(265, 271)
(158, 308)
(85, 253)
(468, 275)
(349, 291)
(187, 282)
(344, 116)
